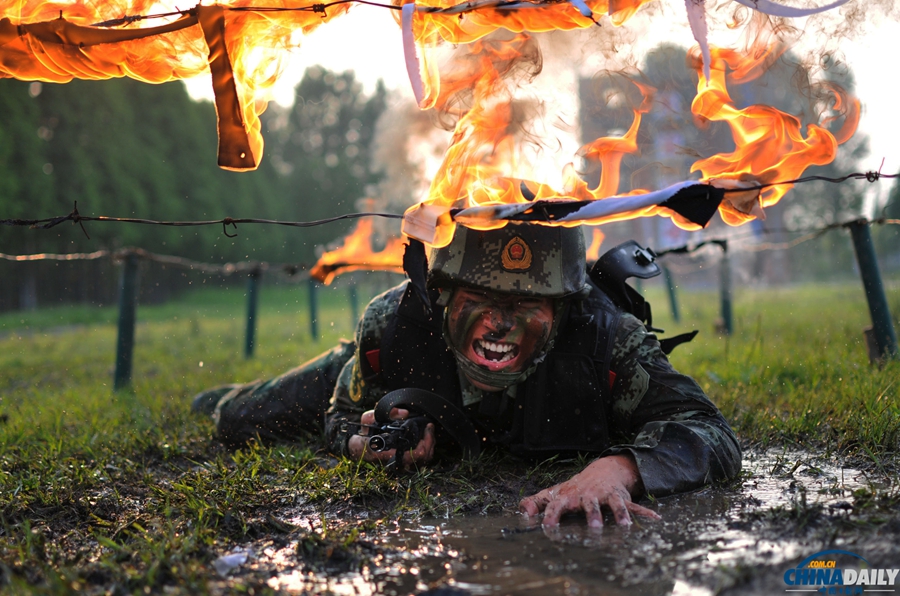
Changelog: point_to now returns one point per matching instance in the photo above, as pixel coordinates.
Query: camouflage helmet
(519, 258)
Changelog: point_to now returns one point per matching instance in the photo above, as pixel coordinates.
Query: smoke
(406, 148)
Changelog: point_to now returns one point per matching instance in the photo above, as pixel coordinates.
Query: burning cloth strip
(695, 201)
(696, 12)
(409, 52)
(59, 50)
(780, 10)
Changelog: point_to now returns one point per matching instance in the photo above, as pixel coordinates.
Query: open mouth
(495, 353)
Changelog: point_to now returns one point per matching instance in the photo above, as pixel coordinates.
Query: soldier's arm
(678, 439)
(355, 392)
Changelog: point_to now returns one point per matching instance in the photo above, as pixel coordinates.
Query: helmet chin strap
(499, 379)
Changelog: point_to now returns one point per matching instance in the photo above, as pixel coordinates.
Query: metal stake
(354, 307)
(673, 297)
(128, 289)
(882, 327)
(313, 310)
(725, 289)
(252, 300)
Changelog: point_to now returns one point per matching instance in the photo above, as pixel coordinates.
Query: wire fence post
(673, 297)
(882, 327)
(128, 289)
(313, 310)
(252, 301)
(354, 307)
(725, 289)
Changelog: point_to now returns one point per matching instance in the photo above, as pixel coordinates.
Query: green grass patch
(127, 492)
(795, 368)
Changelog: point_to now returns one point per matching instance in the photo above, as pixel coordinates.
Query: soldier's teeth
(497, 352)
(501, 348)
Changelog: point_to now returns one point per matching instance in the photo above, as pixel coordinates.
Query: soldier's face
(501, 332)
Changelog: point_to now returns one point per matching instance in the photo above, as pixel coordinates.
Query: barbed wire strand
(292, 272)
(683, 268)
(299, 272)
(75, 256)
(322, 8)
(76, 217)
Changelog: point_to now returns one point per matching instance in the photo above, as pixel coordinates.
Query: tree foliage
(129, 149)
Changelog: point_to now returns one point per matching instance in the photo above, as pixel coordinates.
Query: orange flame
(481, 167)
(53, 41)
(356, 254)
(769, 144)
(430, 29)
(593, 250)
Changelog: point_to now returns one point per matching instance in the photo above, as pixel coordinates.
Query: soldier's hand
(606, 483)
(358, 444)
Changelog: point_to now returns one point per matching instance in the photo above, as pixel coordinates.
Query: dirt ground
(464, 537)
(737, 539)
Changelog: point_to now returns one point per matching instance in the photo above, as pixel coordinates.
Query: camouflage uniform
(677, 437)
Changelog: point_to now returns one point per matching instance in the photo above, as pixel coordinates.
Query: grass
(127, 492)
(795, 368)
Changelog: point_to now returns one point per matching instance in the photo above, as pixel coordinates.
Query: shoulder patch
(516, 255)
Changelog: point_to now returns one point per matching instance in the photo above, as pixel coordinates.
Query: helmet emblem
(516, 255)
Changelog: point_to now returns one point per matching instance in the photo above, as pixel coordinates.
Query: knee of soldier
(232, 425)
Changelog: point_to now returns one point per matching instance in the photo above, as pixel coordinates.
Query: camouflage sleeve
(679, 439)
(355, 393)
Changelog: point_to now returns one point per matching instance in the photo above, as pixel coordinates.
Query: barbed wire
(76, 217)
(322, 8)
(733, 244)
(293, 272)
(808, 234)
(299, 272)
(75, 256)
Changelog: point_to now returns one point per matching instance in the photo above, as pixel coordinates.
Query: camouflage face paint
(500, 332)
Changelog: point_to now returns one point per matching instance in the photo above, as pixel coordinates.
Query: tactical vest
(562, 407)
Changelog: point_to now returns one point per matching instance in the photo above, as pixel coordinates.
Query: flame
(356, 254)
(432, 28)
(769, 144)
(592, 252)
(608, 152)
(54, 42)
(482, 166)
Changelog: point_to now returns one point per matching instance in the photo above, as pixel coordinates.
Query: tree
(671, 138)
(323, 149)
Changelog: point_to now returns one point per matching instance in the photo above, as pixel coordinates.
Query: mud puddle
(740, 539)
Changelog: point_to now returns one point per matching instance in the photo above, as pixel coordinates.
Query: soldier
(537, 356)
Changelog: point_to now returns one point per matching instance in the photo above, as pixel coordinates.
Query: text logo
(822, 573)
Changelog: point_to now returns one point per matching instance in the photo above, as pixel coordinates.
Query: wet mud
(736, 539)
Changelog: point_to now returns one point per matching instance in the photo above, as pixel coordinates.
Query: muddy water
(707, 541)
